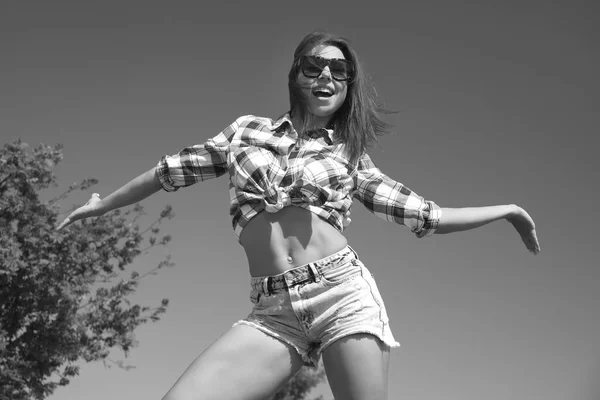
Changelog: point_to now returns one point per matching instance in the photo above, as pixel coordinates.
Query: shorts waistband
(309, 272)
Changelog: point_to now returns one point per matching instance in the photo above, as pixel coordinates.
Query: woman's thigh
(244, 363)
(357, 367)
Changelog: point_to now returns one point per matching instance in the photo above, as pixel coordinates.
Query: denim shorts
(312, 306)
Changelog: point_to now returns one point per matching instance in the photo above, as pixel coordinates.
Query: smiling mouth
(322, 93)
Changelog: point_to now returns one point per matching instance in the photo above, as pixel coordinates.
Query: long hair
(357, 123)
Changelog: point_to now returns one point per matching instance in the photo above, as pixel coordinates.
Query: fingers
(524, 224)
(73, 217)
(532, 243)
(80, 213)
(66, 222)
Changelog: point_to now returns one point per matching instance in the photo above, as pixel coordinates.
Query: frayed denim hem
(391, 343)
(305, 358)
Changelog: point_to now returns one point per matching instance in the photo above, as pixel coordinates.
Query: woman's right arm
(192, 164)
(132, 192)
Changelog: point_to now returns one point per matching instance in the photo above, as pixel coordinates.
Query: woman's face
(324, 94)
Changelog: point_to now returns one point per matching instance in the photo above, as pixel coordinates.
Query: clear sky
(498, 104)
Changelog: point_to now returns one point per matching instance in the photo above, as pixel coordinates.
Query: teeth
(322, 92)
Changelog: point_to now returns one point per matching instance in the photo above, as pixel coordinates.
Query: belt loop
(314, 272)
(354, 252)
(265, 286)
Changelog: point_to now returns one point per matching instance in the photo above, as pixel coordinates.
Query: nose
(325, 74)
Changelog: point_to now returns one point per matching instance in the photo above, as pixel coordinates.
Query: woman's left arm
(462, 219)
(395, 202)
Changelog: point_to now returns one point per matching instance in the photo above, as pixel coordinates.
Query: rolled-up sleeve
(394, 202)
(196, 163)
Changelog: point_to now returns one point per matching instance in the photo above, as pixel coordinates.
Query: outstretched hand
(89, 209)
(524, 224)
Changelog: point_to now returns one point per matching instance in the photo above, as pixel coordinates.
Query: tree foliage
(299, 387)
(64, 295)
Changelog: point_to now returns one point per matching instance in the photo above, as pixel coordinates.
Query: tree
(299, 387)
(63, 295)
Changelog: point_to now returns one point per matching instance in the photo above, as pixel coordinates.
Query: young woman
(292, 181)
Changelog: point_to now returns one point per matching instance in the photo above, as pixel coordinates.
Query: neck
(313, 121)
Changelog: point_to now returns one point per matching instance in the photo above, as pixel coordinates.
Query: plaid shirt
(270, 167)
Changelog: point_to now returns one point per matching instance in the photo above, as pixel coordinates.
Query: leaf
(61, 300)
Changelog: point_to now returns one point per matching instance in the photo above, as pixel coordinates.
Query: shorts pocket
(333, 275)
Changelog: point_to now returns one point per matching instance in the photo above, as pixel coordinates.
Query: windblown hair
(357, 123)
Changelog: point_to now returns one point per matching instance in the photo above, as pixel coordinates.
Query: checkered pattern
(267, 161)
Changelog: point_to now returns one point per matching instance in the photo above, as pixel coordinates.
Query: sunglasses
(312, 66)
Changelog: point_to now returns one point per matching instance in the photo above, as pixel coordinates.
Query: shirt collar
(286, 119)
(329, 133)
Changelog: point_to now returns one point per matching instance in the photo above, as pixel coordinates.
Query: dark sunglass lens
(310, 67)
(340, 70)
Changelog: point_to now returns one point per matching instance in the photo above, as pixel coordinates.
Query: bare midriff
(293, 236)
